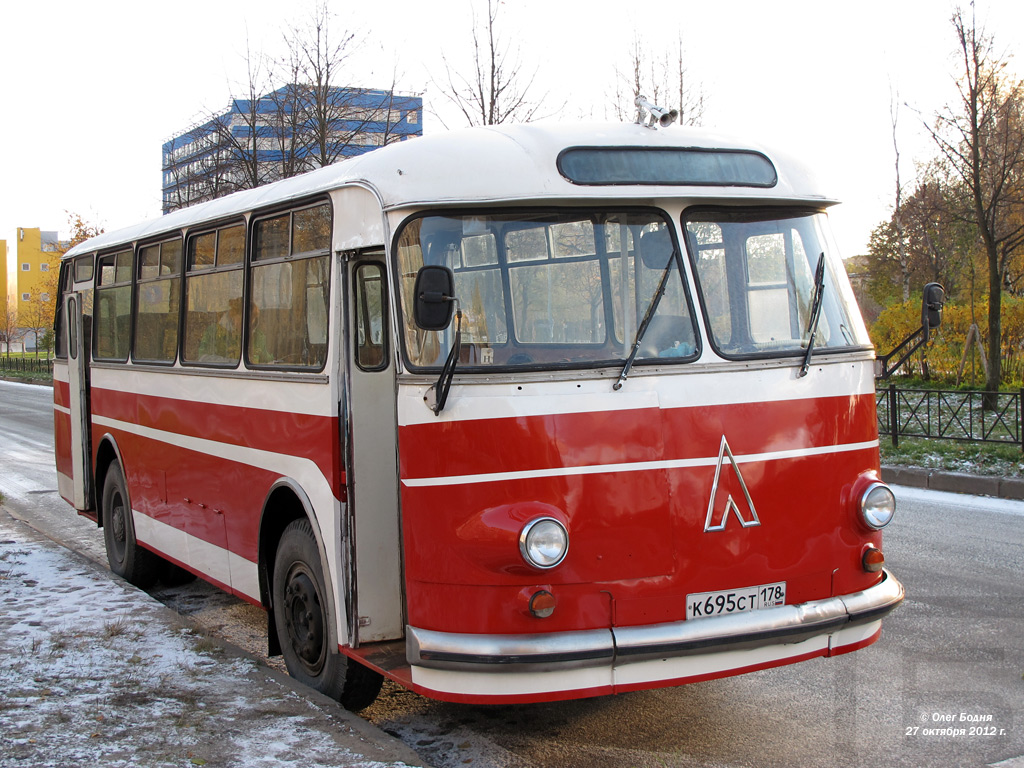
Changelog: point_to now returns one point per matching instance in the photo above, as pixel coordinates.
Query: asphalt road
(944, 686)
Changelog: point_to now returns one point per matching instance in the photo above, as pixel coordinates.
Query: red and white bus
(642, 453)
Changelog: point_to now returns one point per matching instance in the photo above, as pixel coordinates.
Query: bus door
(78, 400)
(371, 462)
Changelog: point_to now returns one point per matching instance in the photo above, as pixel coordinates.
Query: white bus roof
(515, 163)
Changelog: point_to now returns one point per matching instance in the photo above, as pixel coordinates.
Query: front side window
(756, 276)
(550, 289)
(291, 273)
(59, 321)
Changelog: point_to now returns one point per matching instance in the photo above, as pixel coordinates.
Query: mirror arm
(931, 317)
(886, 369)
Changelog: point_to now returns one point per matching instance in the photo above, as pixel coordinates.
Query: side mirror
(435, 298)
(656, 249)
(931, 307)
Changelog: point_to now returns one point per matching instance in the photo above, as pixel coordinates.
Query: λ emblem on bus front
(748, 518)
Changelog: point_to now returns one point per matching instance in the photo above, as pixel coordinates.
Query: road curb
(955, 482)
(34, 382)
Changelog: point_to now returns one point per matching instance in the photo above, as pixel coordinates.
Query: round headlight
(544, 542)
(877, 506)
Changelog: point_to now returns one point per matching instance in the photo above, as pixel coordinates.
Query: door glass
(72, 325)
(369, 322)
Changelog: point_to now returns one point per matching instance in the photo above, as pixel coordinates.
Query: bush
(946, 348)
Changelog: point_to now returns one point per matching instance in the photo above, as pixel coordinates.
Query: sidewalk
(955, 482)
(96, 672)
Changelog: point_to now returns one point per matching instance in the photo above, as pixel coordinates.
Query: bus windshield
(551, 289)
(756, 275)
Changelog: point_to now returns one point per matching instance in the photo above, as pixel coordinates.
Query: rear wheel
(303, 624)
(127, 559)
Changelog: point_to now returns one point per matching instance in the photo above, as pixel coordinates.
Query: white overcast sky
(92, 88)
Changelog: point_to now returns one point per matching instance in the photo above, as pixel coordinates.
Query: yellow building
(37, 267)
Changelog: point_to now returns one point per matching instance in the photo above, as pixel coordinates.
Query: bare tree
(664, 80)
(198, 165)
(285, 121)
(312, 119)
(981, 138)
(690, 92)
(244, 169)
(10, 333)
(897, 214)
(320, 54)
(497, 90)
(36, 314)
(388, 113)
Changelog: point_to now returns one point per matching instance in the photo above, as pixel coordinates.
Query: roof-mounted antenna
(664, 117)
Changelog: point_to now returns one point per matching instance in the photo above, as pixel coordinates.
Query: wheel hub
(304, 620)
(118, 525)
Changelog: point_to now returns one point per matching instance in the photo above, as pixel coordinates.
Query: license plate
(702, 604)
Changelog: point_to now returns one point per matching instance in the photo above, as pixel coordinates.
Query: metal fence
(40, 365)
(979, 417)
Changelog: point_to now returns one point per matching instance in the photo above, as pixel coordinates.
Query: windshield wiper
(444, 381)
(648, 315)
(812, 324)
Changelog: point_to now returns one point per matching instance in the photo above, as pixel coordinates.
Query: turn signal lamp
(542, 604)
(873, 560)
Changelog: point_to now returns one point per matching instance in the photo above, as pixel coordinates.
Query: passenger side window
(157, 299)
(213, 297)
(112, 323)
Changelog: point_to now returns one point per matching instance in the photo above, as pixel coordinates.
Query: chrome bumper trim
(601, 647)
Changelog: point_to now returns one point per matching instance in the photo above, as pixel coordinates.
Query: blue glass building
(294, 129)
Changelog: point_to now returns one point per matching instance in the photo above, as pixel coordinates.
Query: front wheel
(303, 624)
(127, 559)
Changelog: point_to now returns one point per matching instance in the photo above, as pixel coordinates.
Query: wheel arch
(286, 502)
(107, 452)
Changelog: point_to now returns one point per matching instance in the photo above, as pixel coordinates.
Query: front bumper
(618, 646)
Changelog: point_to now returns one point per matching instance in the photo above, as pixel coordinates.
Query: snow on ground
(95, 672)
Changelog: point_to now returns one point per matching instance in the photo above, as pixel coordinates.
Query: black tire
(303, 624)
(126, 557)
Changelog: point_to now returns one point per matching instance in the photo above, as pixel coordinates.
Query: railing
(979, 417)
(39, 365)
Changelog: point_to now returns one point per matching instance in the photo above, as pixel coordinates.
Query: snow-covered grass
(999, 459)
(81, 678)
(95, 672)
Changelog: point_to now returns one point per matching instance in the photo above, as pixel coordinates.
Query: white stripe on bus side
(638, 466)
